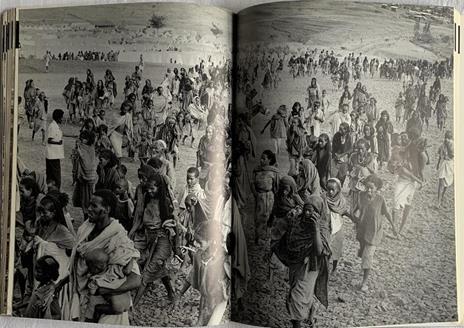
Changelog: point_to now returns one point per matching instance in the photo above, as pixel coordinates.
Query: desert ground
(414, 278)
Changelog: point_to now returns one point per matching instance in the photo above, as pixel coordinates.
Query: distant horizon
(191, 34)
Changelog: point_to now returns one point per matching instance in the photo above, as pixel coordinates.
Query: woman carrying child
(54, 235)
(287, 205)
(305, 250)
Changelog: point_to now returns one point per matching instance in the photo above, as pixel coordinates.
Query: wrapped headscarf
(338, 203)
(310, 184)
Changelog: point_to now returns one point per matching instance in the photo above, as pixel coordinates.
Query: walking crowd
(336, 153)
(96, 267)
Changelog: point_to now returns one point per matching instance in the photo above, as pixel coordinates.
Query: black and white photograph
(123, 144)
(343, 146)
(290, 165)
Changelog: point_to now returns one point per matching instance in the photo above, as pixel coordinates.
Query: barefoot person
(153, 214)
(406, 184)
(369, 213)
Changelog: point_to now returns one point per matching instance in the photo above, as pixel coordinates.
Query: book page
(344, 166)
(122, 166)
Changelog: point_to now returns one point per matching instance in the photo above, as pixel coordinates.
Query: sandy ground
(414, 277)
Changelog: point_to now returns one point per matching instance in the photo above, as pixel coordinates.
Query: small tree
(216, 30)
(157, 21)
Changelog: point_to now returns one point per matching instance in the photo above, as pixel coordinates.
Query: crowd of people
(85, 55)
(336, 154)
(341, 70)
(97, 266)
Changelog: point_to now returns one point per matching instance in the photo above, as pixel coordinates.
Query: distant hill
(125, 28)
(345, 27)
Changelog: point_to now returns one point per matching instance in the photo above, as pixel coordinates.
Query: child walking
(337, 208)
(369, 213)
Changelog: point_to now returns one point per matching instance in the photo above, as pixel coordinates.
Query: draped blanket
(114, 240)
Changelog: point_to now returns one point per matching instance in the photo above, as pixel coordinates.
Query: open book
(292, 165)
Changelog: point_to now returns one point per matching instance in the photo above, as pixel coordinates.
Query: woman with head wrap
(54, 235)
(287, 205)
(307, 179)
(305, 250)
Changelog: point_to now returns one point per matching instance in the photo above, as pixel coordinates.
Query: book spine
(3, 105)
(458, 73)
(13, 192)
(9, 96)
